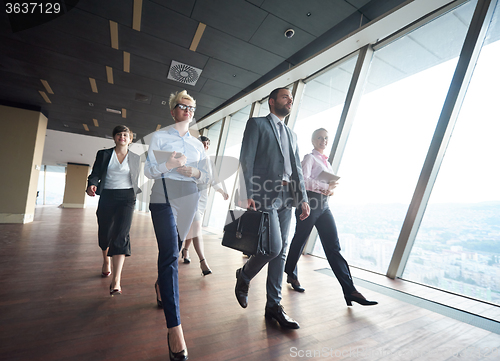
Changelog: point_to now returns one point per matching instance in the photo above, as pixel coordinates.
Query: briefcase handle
(239, 227)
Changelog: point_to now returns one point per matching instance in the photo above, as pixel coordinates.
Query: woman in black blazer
(115, 177)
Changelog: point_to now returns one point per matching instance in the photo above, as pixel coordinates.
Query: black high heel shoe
(114, 291)
(176, 356)
(359, 298)
(185, 259)
(203, 271)
(158, 301)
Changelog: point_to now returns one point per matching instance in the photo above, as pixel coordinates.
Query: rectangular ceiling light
(124, 113)
(136, 19)
(126, 62)
(158, 127)
(93, 85)
(47, 86)
(109, 74)
(113, 29)
(96, 123)
(85, 127)
(197, 36)
(110, 110)
(44, 96)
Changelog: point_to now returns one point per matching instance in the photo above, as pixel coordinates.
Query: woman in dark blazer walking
(115, 177)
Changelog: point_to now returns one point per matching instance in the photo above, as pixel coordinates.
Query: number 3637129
(32, 8)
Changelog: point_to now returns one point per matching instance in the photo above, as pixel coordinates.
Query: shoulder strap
(164, 189)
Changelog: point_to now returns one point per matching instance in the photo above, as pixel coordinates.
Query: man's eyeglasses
(184, 107)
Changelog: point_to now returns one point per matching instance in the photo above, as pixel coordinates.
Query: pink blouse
(312, 166)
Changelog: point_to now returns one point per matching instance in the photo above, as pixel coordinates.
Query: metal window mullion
(221, 145)
(44, 184)
(353, 97)
(449, 114)
(254, 111)
(297, 91)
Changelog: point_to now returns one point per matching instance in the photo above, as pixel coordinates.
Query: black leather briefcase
(247, 231)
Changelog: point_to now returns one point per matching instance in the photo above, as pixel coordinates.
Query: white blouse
(118, 175)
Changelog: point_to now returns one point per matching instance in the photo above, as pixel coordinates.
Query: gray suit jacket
(100, 169)
(262, 163)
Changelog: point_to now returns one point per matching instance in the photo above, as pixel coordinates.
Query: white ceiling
(62, 148)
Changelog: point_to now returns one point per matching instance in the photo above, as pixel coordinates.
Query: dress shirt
(169, 140)
(312, 166)
(276, 120)
(118, 175)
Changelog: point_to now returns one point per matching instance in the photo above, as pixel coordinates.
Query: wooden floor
(55, 306)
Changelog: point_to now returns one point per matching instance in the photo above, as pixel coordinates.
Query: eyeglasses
(184, 107)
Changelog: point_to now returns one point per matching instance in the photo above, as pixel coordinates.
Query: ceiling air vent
(183, 73)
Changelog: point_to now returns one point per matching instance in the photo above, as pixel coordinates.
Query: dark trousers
(114, 217)
(168, 254)
(322, 218)
(280, 215)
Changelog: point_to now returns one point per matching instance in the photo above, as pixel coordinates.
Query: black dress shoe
(295, 284)
(157, 291)
(241, 289)
(359, 298)
(176, 356)
(279, 315)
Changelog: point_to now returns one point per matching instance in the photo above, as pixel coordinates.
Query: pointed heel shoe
(359, 298)
(205, 272)
(176, 356)
(115, 291)
(157, 291)
(184, 256)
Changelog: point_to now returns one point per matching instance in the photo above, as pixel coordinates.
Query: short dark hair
(202, 138)
(122, 128)
(274, 93)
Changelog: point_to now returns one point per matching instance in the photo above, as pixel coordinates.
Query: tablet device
(163, 156)
(327, 177)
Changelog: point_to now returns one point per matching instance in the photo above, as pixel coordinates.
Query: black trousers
(322, 218)
(114, 217)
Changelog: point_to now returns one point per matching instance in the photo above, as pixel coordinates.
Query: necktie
(285, 148)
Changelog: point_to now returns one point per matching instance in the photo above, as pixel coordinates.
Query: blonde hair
(316, 133)
(177, 96)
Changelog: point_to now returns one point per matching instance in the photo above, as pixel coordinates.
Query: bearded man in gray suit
(273, 182)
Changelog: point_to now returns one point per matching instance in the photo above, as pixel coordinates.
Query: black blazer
(100, 168)
(262, 163)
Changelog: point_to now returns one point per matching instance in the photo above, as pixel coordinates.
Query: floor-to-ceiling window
(229, 164)
(264, 108)
(322, 103)
(214, 134)
(321, 106)
(51, 183)
(457, 247)
(405, 90)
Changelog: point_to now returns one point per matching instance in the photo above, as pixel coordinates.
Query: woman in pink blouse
(321, 217)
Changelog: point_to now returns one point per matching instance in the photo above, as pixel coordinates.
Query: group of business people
(269, 153)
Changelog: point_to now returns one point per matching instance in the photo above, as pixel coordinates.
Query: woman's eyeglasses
(184, 107)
